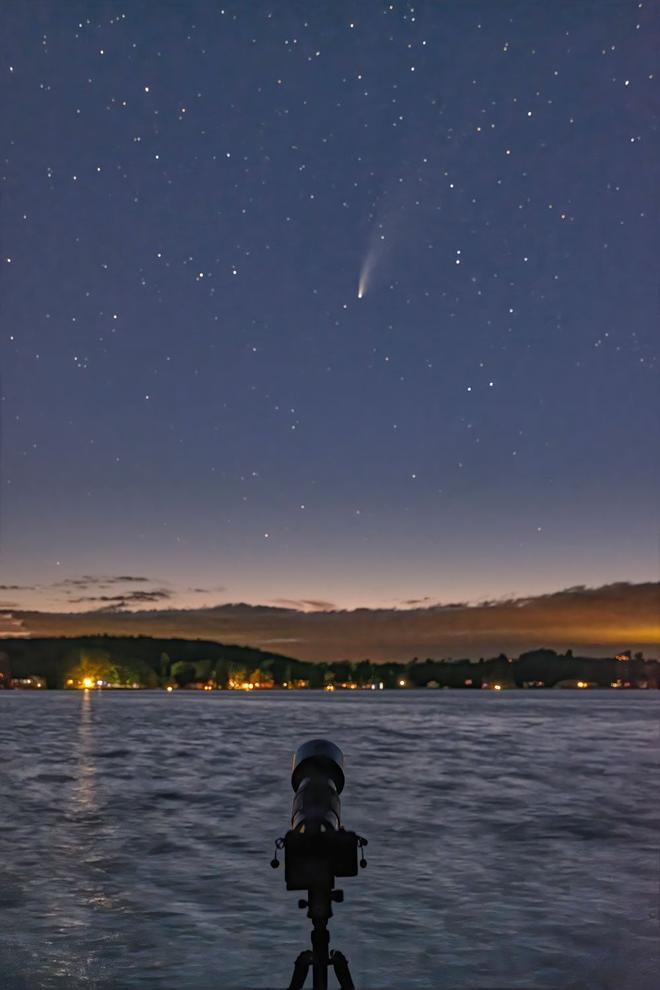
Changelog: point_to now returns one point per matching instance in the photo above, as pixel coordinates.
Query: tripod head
(317, 850)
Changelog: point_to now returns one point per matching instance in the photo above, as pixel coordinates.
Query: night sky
(340, 303)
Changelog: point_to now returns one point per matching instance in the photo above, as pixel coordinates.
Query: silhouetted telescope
(317, 849)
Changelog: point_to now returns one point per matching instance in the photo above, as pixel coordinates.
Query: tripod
(317, 848)
(320, 957)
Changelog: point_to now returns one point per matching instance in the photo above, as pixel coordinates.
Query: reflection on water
(83, 796)
(513, 839)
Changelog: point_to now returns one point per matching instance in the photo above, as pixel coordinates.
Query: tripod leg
(320, 957)
(300, 970)
(342, 972)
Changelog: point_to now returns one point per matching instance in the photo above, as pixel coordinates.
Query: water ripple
(513, 839)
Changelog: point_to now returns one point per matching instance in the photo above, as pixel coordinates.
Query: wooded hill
(149, 662)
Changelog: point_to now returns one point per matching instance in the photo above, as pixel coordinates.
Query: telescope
(317, 849)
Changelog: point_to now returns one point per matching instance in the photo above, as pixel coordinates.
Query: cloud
(281, 639)
(126, 579)
(128, 598)
(306, 604)
(412, 602)
(94, 581)
(18, 587)
(11, 625)
(596, 621)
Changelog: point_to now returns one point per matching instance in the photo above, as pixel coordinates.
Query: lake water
(513, 839)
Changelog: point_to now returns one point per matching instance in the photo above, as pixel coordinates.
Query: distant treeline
(147, 662)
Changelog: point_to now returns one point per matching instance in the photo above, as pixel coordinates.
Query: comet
(391, 216)
(365, 274)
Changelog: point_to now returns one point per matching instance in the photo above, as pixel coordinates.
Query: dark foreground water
(514, 839)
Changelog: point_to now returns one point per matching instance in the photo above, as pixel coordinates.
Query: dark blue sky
(192, 390)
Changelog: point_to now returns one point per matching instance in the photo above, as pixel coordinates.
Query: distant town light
(402, 683)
